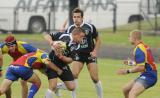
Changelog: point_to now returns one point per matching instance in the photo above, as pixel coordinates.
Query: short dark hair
(77, 10)
(77, 30)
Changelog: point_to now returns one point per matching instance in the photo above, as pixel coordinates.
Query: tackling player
(23, 68)
(15, 49)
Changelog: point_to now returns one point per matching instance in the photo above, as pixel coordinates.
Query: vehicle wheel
(37, 25)
(135, 18)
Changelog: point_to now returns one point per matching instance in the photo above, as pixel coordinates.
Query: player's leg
(70, 85)
(76, 69)
(77, 66)
(9, 77)
(68, 81)
(24, 89)
(127, 88)
(52, 87)
(36, 82)
(52, 79)
(8, 93)
(136, 90)
(93, 70)
(142, 83)
(5, 85)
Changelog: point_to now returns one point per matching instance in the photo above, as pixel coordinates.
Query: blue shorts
(15, 72)
(147, 79)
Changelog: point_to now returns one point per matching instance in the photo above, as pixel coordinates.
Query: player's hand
(55, 45)
(129, 62)
(93, 54)
(59, 72)
(58, 52)
(122, 71)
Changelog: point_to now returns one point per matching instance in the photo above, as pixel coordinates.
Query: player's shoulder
(140, 48)
(21, 42)
(41, 54)
(66, 37)
(70, 28)
(88, 24)
(3, 48)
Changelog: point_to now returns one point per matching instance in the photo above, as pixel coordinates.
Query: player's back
(33, 60)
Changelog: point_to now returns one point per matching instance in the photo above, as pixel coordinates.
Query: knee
(95, 80)
(37, 83)
(125, 90)
(133, 93)
(52, 87)
(71, 88)
(75, 75)
(2, 92)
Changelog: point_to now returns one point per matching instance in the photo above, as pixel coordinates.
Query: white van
(32, 15)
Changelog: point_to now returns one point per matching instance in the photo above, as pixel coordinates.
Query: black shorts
(66, 75)
(85, 58)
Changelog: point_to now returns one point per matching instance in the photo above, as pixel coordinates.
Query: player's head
(10, 42)
(135, 36)
(78, 34)
(77, 15)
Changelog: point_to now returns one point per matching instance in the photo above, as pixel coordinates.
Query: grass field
(106, 35)
(112, 83)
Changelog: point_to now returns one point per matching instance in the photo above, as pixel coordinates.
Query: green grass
(121, 38)
(106, 35)
(112, 83)
(25, 37)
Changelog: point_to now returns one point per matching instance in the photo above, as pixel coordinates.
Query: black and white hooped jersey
(87, 45)
(65, 37)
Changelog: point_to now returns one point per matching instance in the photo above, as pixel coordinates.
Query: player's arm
(48, 38)
(45, 59)
(52, 39)
(62, 29)
(29, 48)
(65, 59)
(97, 42)
(53, 67)
(140, 63)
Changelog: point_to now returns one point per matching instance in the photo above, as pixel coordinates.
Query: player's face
(131, 39)
(79, 37)
(12, 48)
(77, 19)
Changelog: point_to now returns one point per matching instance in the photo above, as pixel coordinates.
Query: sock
(49, 94)
(74, 91)
(99, 89)
(33, 90)
(61, 86)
